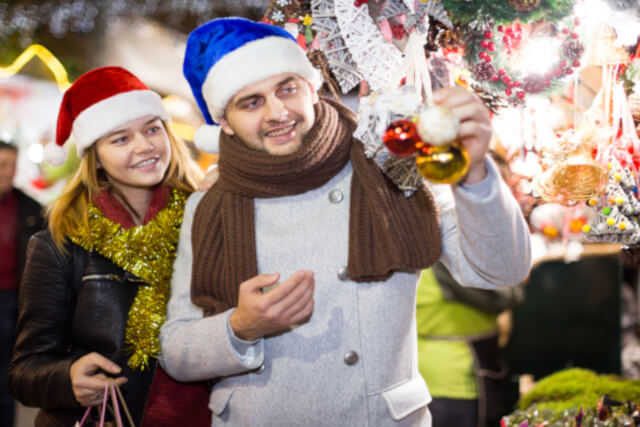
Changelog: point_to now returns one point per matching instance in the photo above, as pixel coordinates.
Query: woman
(95, 285)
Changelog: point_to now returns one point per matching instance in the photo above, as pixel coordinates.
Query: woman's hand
(88, 381)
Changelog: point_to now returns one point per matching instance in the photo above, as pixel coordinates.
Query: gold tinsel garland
(147, 251)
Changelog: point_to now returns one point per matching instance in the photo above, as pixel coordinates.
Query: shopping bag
(110, 388)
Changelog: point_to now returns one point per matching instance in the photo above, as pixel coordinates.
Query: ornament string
(415, 69)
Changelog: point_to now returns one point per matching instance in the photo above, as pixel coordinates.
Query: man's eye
(286, 90)
(251, 104)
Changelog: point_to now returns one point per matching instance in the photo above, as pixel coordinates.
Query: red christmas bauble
(401, 137)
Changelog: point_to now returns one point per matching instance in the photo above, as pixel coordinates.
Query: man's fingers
(294, 309)
(255, 284)
(304, 313)
(286, 288)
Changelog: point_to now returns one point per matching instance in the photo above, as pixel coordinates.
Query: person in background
(21, 217)
(96, 282)
(299, 206)
(458, 352)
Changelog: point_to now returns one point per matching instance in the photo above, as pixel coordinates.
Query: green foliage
(573, 388)
(500, 12)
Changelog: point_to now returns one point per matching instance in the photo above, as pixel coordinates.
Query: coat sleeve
(42, 357)
(195, 347)
(486, 241)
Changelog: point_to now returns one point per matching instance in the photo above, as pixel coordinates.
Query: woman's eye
(120, 140)
(153, 129)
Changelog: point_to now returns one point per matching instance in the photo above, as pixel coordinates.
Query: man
(298, 206)
(20, 217)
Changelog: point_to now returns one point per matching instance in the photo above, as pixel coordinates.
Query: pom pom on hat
(207, 139)
(55, 154)
(98, 102)
(227, 54)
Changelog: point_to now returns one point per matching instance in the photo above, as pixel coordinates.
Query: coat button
(335, 196)
(351, 358)
(260, 369)
(342, 273)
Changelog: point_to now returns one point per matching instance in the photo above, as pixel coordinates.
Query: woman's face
(136, 155)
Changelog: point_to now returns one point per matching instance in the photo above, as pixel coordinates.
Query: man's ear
(224, 125)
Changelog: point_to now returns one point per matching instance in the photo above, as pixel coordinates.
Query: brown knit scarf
(387, 232)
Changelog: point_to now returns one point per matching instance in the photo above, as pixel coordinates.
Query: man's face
(7, 169)
(272, 115)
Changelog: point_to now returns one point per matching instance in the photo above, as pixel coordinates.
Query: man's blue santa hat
(227, 54)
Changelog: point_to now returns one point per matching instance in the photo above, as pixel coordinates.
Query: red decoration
(401, 138)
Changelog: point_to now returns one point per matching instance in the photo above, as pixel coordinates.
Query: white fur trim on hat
(55, 154)
(207, 139)
(254, 61)
(110, 113)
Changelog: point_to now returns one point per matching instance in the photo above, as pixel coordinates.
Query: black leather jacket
(70, 305)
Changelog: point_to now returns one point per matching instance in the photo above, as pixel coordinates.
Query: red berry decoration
(488, 34)
(401, 137)
(495, 78)
(520, 94)
(501, 27)
(492, 46)
(576, 63)
(507, 91)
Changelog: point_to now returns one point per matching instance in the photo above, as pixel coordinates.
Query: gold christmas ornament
(579, 178)
(443, 164)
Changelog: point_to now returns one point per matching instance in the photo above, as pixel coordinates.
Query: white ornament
(437, 125)
(277, 16)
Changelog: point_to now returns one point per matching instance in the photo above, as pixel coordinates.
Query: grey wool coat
(354, 362)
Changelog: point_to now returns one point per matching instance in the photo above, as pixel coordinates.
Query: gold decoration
(574, 176)
(443, 164)
(147, 251)
(604, 50)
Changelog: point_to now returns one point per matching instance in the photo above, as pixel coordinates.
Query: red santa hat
(99, 101)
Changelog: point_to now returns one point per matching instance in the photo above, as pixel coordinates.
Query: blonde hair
(70, 210)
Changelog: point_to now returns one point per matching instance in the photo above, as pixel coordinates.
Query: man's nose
(276, 110)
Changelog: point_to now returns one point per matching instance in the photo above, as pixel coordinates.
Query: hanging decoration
(493, 53)
(364, 41)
